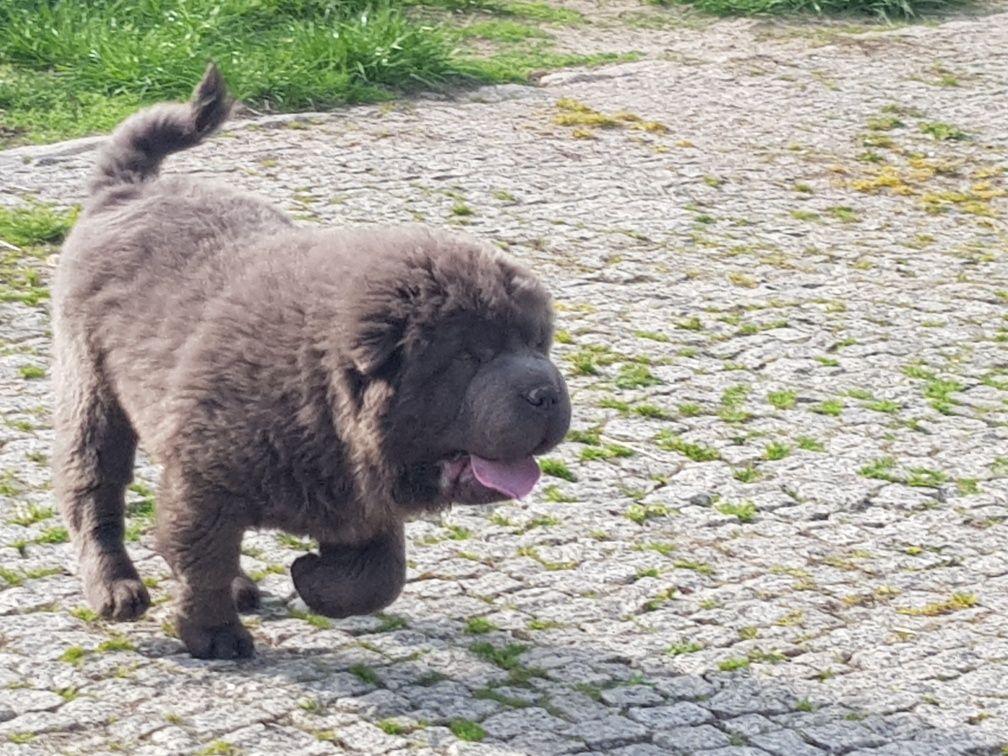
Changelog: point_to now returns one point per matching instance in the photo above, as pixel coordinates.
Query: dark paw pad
(231, 641)
(245, 593)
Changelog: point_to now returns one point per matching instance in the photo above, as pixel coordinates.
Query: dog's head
(449, 347)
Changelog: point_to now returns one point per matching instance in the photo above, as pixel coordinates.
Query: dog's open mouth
(514, 479)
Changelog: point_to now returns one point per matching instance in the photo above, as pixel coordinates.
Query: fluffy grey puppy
(327, 382)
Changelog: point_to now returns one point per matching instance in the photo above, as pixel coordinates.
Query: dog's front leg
(342, 580)
(199, 533)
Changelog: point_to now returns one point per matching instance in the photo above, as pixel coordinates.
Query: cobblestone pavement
(779, 527)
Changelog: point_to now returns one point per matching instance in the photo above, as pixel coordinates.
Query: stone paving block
(613, 731)
(680, 714)
(785, 743)
(685, 740)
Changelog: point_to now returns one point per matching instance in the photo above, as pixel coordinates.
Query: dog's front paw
(229, 641)
(113, 594)
(350, 580)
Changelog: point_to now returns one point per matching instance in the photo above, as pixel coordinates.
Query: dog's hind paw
(230, 641)
(245, 593)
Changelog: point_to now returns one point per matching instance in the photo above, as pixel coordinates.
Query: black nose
(545, 397)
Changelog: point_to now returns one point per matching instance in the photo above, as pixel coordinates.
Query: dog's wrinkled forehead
(441, 280)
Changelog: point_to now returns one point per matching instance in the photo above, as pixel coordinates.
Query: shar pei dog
(327, 382)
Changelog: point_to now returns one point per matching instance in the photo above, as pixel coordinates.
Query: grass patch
(731, 665)
(36, 223)
(744, 511)
(955, 603)
(31, 372)
(315, 620)
(479, 626)
(465, 729)
(641, 513)
(782, 400)
(776, 450)
(696, 452)
(832, 407)
(635, 376)
(364, 673)
(557, 469)
(68, 69)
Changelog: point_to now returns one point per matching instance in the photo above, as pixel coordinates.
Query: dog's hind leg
(92, 465)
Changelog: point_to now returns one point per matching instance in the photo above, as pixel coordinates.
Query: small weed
(315, 620)
(651, 411)
(74, 655)
(557, 469)
(843, 214)
(220, 748)
(683, 647)
(955, 603)
(689, 409)
(882, 468)
(923, 477)
(747, 474)
(479, 626)
(731, 665)
(640, 513)
(635, 376)
(311, 705)
(365, 674)
(293, 542)
(457, 532)
(30, 515)
(608, 451)
(391, 727)
(782, 400)
(743, 511)
(832, 407)
(115, 644)
(31, 372)
(696, 452)
(464, 729)
(700, 568)
(84, 614)
(776, 451)
(807, 443)
(943, 131)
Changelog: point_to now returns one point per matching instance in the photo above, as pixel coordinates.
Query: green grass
(505, 657)
(464, 729)
(364, 673)
(557, 469)
(35, 223)
(782, 400)
(696, 452)
(479, 626)
(897, 9)
(744, 511)
(776, 450)
(70, 68)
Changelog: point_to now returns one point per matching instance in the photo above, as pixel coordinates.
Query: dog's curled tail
(134, 152)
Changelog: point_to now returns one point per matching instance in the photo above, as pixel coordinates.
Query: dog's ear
(375, 349)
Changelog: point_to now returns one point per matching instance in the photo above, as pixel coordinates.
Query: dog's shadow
(436, 672)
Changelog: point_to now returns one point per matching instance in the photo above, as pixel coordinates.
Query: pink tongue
(516, 479)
